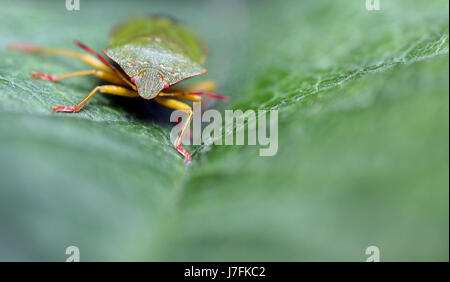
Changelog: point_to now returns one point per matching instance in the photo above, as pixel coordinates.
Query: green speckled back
(156, 48)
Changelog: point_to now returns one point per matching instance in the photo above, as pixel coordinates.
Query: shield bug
(153, 54)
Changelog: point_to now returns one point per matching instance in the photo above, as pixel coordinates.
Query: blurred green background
(363, 138)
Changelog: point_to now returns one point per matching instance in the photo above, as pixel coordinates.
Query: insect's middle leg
(205, 85)
(202, 88)
(103, 75)
(177, 105)
(108, 89)
(182, 96)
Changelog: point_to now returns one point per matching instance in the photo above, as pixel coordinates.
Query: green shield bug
(154, 53)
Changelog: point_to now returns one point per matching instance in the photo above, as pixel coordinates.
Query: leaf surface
(362, 148)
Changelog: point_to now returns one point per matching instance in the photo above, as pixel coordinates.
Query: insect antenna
(105, 61)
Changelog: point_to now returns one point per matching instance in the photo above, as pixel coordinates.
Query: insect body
(153, 53)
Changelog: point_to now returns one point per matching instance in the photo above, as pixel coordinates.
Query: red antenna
(105, 61)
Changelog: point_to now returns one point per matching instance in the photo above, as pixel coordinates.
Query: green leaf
(362, 149)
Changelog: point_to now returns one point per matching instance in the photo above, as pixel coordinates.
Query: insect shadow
(141, 109)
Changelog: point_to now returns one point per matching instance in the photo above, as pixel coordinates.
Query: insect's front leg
(177, 105)
(108, 89)
(187, 93)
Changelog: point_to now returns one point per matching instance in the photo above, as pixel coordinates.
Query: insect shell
(154, 54)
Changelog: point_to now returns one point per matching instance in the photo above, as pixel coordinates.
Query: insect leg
(88, 59)
(107, 76)
(205, 85)
(108, 89)
(209, 95)
(194, 95)
(105, 61)
(177, 105)
(202, 88)
(182, 96)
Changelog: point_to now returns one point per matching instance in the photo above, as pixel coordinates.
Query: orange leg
(99, 63)
(186, 92)
(88, 59)
(105, 61)
(106, 76)
(194, 95)
(108, 89)
(177, 105)
(182, 96)
(205, 85)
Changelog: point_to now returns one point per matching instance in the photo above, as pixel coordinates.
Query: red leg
(106, 62)
(184, 153)
(211, 95)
